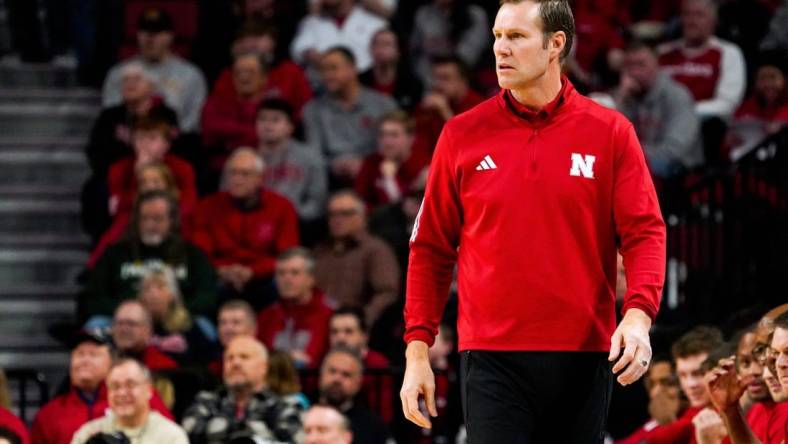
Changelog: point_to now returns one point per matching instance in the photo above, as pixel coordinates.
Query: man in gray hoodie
(662, 112)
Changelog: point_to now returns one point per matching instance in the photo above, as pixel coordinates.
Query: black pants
(535, 397)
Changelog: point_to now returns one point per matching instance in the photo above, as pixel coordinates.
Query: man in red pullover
(244, 229)
(528, 192)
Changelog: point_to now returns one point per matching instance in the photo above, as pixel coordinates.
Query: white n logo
(582, 165)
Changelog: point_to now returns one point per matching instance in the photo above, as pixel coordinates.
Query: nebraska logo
(582, 164)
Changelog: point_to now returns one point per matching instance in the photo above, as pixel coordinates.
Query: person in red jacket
(244, 229)
(285, 80)
(229, 122)
(298, 322)
(348, 328)
(387, 175)
(531, 193)
(152, 140)
(10, 423)
(91, 359)
(451, 94)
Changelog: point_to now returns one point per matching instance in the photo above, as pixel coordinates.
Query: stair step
(55, 358)
(26, 75)
(46, 120)
(37, 191)
(16, 292)
(67, 169)
(78, 96)
(40, 217)
(48, 144)
(33, 240)
(46, 266)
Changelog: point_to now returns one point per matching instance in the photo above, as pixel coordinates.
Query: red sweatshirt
(289, 327)
(530, 206)
(369, 182)
(378, 387)
(681, 431)
(123, 183)
(253, 237)
(61, 417)
(10, 422)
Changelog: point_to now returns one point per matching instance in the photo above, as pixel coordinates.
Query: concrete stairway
(44, 124)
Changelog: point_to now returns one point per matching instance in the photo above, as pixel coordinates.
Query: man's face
(521, 52)
(384, 48)
(151, 144)
(154, 45)
(323, 425)
(345, 330)
(764, 354)
(660, 379)
(130, 328)
(691, 379)
(394, 141)
(244, 177)
(248, 76)
(232, 323)
(340, 378)
(337, 72)
(747, 365)
(697, 21)
(128, 392)
(90, 363)
(780, 350)
(293, 279)
(769, 83)
(447, 80)
(345, 217)
(135, 87)
(642, 65)
(155, 222)
(273, 126)
(245, 366)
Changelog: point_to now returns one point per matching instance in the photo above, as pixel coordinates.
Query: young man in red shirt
(528, 193)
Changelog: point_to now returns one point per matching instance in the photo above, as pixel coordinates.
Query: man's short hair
(703, 339)
(344, 51)
(301, 252)
(556, 16)
(348, 192)
(401, 117)
(240, 305)
(155, 124)
(640, 45)
(256, 28)
(781, 321)
(344, 423)
(458, 63)
(342, 349)
(174, 209)
(352, 311)
(123, 360)
(148, 318)
(276, 105)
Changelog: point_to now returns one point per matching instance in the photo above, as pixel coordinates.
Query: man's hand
(632, 335)
(438, 103)
(709, 428)
(724, 386)
(419, 380)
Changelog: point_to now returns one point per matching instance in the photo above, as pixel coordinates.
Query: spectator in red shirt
(387, 175)
(228, 122)
(152, 140)
(665, 402)
(236, 318)
(389, 74)
(86, 399)
(689, 352)
(298, 322)
(348, 329)
(285, 80)
(765, 111)
(450, 95)
(12, 429)
(132, 332)
(244, 229)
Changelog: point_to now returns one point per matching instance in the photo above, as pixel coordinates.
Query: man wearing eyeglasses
(353, 267)
(129, 391)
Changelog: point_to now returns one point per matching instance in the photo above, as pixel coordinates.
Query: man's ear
(557, 43)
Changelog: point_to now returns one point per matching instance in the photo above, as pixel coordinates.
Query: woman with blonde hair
(282, 377)
(187, 339)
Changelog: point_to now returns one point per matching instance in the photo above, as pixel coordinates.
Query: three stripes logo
(486, 164)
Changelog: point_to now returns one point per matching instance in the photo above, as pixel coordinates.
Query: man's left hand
(632, 336)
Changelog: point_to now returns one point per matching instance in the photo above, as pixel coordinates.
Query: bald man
(326, 425)
(244, 228)
(244, 405)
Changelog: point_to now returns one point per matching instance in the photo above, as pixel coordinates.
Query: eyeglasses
(127, 385)
(342, 213)
(127, 323)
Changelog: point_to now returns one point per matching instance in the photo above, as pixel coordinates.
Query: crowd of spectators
(251, 201)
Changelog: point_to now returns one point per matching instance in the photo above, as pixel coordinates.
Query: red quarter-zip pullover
(530, 206)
